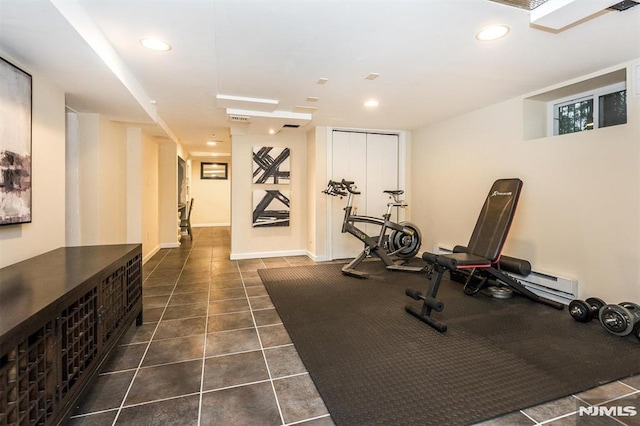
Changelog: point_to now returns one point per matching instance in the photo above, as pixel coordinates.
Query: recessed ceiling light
(322, 81)
(492, 32)
(155, 44)
(272, 132)
(312, 99)
(371, 76)
(212, 143)
(371, 103)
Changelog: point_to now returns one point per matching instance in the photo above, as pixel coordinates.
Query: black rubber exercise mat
(375, 364)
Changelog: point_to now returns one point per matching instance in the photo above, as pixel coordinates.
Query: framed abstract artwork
(271, 165)
(271, 208)
(15, 144)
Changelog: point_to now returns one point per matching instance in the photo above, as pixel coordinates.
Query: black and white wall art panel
(15, 145)
(271, 208)
(271, 165)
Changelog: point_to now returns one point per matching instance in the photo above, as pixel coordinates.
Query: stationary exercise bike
(401, 240)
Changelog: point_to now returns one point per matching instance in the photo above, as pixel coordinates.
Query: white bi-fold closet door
(371, 161)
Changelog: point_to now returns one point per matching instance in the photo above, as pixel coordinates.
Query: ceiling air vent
(624, 5)
(291, 126)
(239, 118)
(522, 4)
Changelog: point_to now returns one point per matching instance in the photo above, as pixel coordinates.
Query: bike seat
(394, 191)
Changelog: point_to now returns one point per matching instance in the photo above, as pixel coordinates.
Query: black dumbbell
(621, 319)
(585, 310)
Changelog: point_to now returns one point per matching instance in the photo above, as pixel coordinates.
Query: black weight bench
(482, 253)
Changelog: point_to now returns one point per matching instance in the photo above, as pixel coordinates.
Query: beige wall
(150, 209)
(102, 179)
(134, 184)
(104, 176)
(212, 196)
(47, 229)
(168, 194)
(113, 179)
(246, 241)
(316, 201)
(580, 208)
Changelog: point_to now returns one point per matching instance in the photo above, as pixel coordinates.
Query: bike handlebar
(335, 188)
(340, 188)
(347, 185)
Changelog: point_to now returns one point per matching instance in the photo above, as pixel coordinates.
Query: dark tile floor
(213, 351)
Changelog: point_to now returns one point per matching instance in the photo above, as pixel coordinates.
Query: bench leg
(430, 303)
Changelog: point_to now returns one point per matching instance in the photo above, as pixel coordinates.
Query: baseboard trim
(169, 245)
(151, 254)
(257, 255)
(316, 258)
(204, 225)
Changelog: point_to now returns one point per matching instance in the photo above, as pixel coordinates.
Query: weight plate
(630, 305)
(595, 303)
(500, 292)
(616, 320)
(580, 311)
(407, 244)
(636, 331)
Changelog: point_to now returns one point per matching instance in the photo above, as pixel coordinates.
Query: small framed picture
(213, 171)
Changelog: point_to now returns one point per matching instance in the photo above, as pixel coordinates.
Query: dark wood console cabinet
(60, 315)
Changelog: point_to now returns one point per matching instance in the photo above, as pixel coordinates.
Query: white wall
(47, 229)
(249, 242)
(580, 207)
(212, 196)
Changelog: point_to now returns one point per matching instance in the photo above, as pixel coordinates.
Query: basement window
(603, 107)
(587, 105)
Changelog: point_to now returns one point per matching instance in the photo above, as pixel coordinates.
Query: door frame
(402, 173)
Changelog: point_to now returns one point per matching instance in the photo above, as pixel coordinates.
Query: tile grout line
(155, 267)
(204, 344)
(124, 398)
(309, 420)
(264, 356)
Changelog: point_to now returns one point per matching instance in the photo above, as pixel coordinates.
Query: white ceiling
(430, 64)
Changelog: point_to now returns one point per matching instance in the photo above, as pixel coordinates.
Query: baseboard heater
(553, 287)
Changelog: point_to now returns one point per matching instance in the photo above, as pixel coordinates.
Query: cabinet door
(113, 303)
(370, 160)
(350, 163)
(78, 338)
(382, 174)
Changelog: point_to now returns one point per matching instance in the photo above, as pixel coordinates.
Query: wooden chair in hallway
(185, 223)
